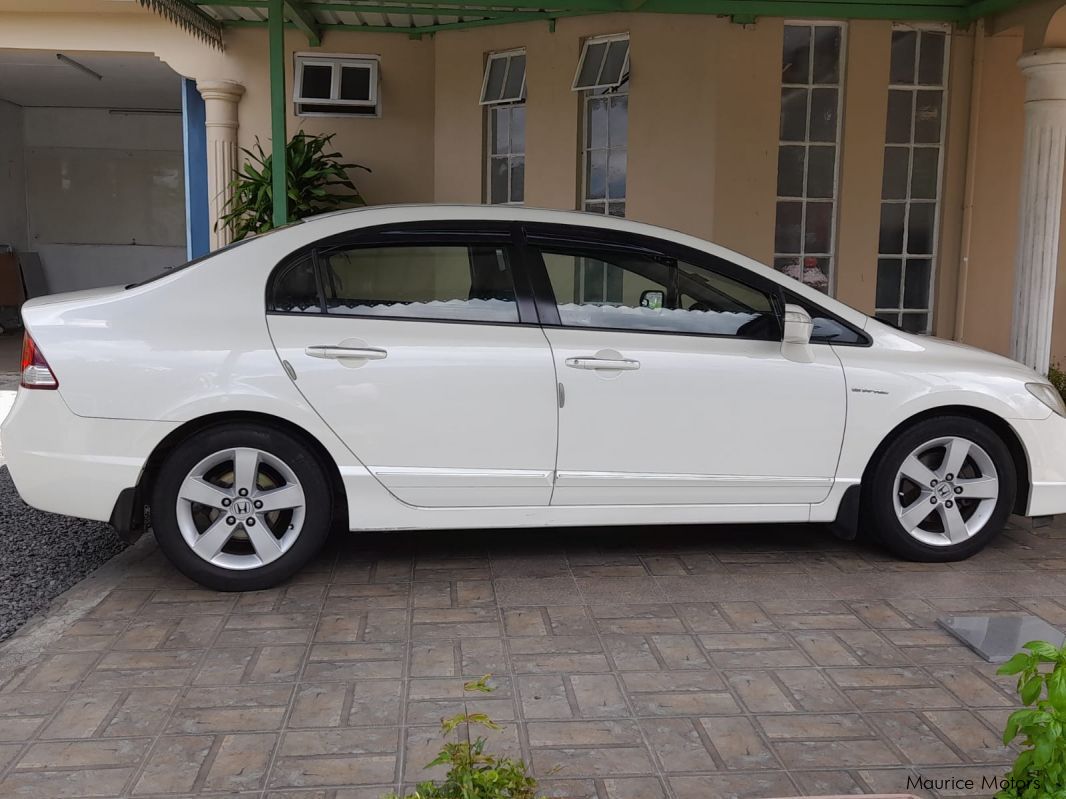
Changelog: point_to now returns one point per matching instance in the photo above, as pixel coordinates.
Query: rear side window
(638, 290)
(450, 282)
(295, 289)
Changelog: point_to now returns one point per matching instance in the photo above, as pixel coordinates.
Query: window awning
(207, 18)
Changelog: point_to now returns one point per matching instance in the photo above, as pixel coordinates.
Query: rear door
(420, 348)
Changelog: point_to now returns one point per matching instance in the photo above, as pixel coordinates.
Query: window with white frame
(604, 63)
(910, 183)
(605, 144)
(603, 78)
(336, 85)
(503, 93)
(808, 152)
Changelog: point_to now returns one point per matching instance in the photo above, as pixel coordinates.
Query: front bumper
(74, 465)
(1044, 441)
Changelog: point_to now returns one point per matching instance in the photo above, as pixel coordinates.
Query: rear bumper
(73, 465)
(1045, 447)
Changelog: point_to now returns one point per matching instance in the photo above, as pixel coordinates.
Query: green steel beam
(446, 26)
(278, 136)
(962, 11)
(303, 19)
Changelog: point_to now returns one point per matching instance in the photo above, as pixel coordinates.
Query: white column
(220, 109)
(1043, 160)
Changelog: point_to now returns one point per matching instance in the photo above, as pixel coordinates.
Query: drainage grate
(996, 638)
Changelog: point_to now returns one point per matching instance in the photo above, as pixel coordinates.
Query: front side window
(444, 282)
(808, 152)
(910, 184)
(636, 290)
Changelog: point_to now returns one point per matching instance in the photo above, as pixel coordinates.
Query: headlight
(1049, 395)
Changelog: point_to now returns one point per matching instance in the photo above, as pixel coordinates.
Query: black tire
(878, 502)
(294, 453)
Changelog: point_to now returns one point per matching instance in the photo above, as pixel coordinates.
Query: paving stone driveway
(629, 664)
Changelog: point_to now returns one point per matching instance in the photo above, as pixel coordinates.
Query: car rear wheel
(241, 507)
(941, 490)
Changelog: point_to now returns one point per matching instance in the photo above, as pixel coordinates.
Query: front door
(675, 387)
(414, 351)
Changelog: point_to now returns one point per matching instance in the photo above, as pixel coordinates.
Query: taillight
(36, 373)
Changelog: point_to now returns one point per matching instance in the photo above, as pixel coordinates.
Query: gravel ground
(41, 554)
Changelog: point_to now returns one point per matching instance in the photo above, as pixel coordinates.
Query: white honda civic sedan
(492, 367)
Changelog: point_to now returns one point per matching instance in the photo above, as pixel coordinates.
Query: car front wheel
(941, 489)
(241, 507)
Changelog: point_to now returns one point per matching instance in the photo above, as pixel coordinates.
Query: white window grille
(808, 153)
(604, 149)
(505, 78)
(910, 184)
(604, 63)
(336, 85)
(506, 154)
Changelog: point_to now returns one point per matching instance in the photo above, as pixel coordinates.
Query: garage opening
(92, 184)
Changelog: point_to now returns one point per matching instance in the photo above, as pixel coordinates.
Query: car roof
(317, 227)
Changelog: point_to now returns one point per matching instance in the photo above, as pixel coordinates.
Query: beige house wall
(704, 107)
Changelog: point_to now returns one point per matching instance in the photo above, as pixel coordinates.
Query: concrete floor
(10, 352)
(628, 664)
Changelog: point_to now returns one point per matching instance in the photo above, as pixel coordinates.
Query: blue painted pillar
(194, 135)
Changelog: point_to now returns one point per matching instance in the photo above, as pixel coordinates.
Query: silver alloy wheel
(945, 491)
(240, 508)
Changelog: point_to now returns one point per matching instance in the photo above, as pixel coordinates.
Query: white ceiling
(130, 80)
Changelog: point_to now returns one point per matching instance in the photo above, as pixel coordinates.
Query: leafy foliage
(1039, 771)
(473, 773)
(316, 182)
(1057, 378)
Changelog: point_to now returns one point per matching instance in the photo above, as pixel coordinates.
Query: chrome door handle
(338, 352)
(616, 364)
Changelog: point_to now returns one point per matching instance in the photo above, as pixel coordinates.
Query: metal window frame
(336, 63)
(586, 99)
(806, 143)
(508, 55)
(510, 155)
(606, 39)
(933, 257)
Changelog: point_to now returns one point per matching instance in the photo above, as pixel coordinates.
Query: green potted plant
(317, 182)
(1039, 771)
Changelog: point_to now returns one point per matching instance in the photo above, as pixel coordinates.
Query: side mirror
(651, 298)
(798, 325)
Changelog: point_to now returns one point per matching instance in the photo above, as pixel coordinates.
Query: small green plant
(1057, 378)
(472, 772)
(1039, 771)
(316, 182)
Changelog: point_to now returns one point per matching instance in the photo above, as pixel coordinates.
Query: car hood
(953, 354)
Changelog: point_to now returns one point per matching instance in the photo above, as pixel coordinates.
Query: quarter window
(910, 185)
(808, 153)
(295, 289)
(445, 282)
(636, 290)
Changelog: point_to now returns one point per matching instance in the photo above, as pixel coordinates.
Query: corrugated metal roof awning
(208, 18)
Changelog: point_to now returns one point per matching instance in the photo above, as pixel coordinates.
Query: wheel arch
(997, 423)
(143, 489)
